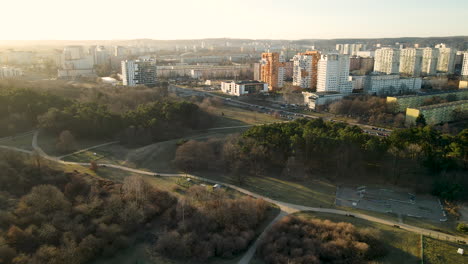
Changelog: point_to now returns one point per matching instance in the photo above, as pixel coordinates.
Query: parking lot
(399, 202)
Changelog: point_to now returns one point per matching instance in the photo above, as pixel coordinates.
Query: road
(379, 131)
(286, 208)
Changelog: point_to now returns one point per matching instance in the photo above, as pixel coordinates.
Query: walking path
(286, 208)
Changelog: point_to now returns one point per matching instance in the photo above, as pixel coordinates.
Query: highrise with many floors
(305, 69)
(387, 60)
(446, 62)
(411, 62)
(429, 61)
(333, 74)
(272, 70)
(139, 72)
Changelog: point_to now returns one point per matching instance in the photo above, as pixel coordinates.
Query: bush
(298, 240)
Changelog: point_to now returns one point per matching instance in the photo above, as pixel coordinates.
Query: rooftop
(429, 94)
(462, 102)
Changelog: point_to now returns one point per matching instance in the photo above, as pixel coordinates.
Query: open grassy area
(48, 143)
(448, 227)
(313, 193)
(443, 252)
(235, 116)
(403, 246)
(22, 142)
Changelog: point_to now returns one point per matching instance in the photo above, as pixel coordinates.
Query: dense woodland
(48, 216)
(302, 241)
(419, 157)
(133, 115)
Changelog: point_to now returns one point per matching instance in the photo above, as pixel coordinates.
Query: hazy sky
(187, 19)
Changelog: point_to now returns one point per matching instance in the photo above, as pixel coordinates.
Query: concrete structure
(387, 60)
(436, 114)
(446, 62)
(305, 69)
(10, 72)
(139, 72)
(272, 70)
(411, 101)
(314, 100)
(76, 63)
(464, 70)
(429, 61)
(411, 62)
(390, 84)
(244, 87)
(333, 73)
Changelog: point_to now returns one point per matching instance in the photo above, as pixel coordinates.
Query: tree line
(314, 148)
(137, 116)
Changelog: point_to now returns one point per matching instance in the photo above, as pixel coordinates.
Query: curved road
(286, 208)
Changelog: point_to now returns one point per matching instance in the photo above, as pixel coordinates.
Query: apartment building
(139, 72)
(411, 101)
(333, 74)
(411, 62)
(446, 61)
(305, 69)
(464, 71)
(381, 84)
(387, 60)
(429, 62)
(436, 114)
(272, 70)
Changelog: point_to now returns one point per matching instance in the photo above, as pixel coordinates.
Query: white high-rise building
(333, 74)
(464, 71)
(139, 72)
(429, 61)
(446, 62)
(411, 62)
(387, 60)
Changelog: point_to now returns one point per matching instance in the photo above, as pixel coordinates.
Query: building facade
(139, 72)
(429, 61)
(446, 61)
(244, 87)
(391, 84)
(387, 60)
(305, 69)
(437, 114)
(412, 101)
(272, 70)
(333, 74)
(411, 62)
(464, 70)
